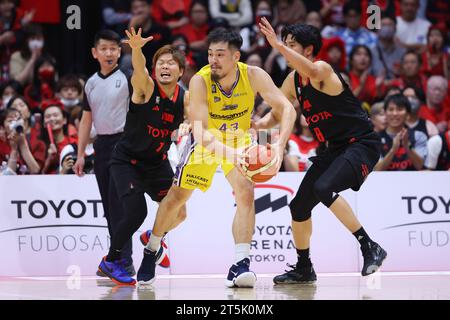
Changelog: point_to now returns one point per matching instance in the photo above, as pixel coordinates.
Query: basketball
(262, 162)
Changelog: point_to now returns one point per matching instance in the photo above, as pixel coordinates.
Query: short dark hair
(5, 113)
(69, 81)
(106, 35)
(385, 15)
(304, 34)
(18, 97)
(411, 51)
(355, 49)
(352, 6)
(399, 100)
(231, 37)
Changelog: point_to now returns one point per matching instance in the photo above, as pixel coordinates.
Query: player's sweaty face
(291, 43)
(221, 60)
(167, 69)
(107, 52)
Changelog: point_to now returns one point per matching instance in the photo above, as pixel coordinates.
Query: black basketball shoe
(374, 256)
(297, 275)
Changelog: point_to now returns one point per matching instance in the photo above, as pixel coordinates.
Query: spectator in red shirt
(410, 75)
(333, 52)
(15, 150)
(172, 13)
(31, 129)
(44, 80)
(55, 119)
(434, 58)
(435, 110)
(364, 85)
(196, 30)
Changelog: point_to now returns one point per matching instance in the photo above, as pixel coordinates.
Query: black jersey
(149, 127)
(339, 120)
(444, 155)
(401, 161)
(421, 126)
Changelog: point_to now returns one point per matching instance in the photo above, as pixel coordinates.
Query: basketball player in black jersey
(139, 161)
(336, 119)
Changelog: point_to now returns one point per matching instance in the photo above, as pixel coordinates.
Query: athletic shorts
(362, 155)
(197, 165)
(134, 176)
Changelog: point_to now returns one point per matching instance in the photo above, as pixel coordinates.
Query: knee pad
(324, 192)
(300, 209)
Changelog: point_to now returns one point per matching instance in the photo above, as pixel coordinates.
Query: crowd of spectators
(399, 72)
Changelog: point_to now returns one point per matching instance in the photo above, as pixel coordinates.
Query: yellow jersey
(229, 113)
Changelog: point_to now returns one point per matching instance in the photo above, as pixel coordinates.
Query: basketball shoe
(146, 272)
(297, 275)
(374, 256)
(145, 237)
(116, 272)
(240, 275)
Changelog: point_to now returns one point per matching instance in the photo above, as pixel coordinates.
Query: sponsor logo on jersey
(230, 107)
(167, 117)
(228, 116)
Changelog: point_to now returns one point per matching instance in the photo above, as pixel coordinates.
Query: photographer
(15, 150)
(68, 156)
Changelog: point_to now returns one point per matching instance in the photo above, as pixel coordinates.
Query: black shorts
(137, 177)
(362, 155)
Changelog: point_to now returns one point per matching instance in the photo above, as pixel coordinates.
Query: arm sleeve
(434, 147)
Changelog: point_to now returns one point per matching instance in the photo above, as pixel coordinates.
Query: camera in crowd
(17, 126)
(88, 162)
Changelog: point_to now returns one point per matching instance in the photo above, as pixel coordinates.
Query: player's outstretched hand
(135, 40)
(270, 34)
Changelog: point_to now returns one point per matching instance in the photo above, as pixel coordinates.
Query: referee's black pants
(112, 207)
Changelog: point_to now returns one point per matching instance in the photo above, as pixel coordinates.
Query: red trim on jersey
(164, 96)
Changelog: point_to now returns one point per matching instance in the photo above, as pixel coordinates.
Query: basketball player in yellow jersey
(221, 103)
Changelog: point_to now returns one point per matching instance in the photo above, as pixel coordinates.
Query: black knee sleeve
(300, 209)
(324, 192)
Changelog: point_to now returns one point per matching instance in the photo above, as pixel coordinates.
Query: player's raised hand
(270, 34)
(135, 40)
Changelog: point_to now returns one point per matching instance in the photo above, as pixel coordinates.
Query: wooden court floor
(384, 286)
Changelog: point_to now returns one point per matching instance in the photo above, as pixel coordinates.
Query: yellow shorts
(197, 166)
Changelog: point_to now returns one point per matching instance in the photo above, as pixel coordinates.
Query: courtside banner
(409, 214)
(54, 225)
